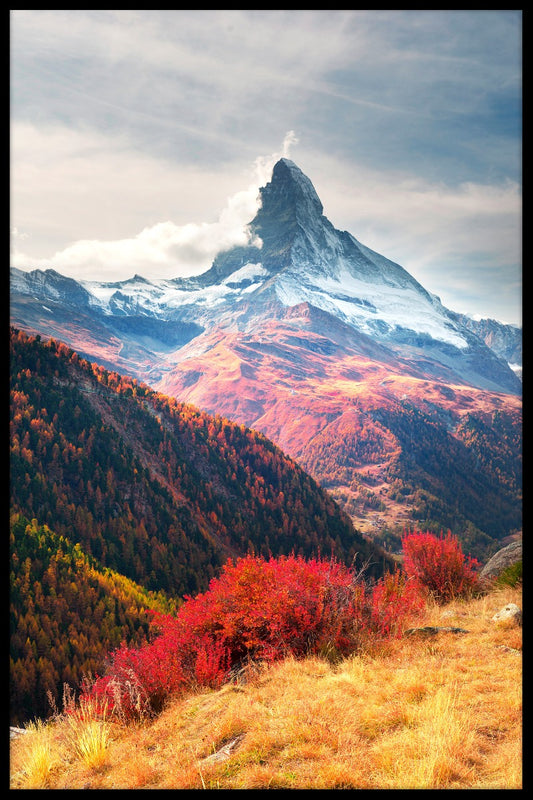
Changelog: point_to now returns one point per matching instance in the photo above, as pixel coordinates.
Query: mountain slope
(440, 714)
(504, 340)
(153, 488)
(66, 614)
(134, 500)
(388, 441)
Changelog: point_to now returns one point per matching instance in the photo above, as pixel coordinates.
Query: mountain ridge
(123, 500)
(187, 454)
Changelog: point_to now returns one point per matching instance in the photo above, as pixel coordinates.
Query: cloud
(162, 250)
(437, 220)
(418, 221)
(263, 165)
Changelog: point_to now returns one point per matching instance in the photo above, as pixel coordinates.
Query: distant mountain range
(400, 407)
(504, 340)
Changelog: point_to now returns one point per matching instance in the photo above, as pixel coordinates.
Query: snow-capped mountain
(503, 339)
(297, 257)
(304, 259)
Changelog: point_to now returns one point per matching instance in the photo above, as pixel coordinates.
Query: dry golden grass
(37, 757)
(88, 734)
(438, 713)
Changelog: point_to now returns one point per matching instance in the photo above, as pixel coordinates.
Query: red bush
(393, 599)
(256, 609)
(439, 565)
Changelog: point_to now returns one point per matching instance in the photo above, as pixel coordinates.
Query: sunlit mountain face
(336, 353)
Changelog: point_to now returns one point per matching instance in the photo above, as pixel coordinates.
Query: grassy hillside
(437, 713)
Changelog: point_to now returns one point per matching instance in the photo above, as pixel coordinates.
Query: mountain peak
(289, 204)
(289, 182)
(297, 256)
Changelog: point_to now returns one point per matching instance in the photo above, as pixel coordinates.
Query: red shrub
(393, 600)
(439, 565)
(256, 609)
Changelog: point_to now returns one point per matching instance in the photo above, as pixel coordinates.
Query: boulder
(504, 558)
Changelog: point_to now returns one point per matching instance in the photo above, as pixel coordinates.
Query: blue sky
(139, 138)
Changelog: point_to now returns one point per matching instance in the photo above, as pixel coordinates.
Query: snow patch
(361, 304)
(161, 296)
(248, 272)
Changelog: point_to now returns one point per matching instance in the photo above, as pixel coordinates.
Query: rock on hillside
(501, 560)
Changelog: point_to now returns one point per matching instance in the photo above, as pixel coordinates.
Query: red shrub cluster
(257, 609)
(439, 565)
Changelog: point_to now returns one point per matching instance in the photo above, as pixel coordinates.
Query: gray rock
(504, 558)
(226, 751)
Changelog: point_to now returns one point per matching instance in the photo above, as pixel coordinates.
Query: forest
(461, 472)
(66, 615)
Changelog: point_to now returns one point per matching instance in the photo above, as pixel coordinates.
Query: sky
(139, 139)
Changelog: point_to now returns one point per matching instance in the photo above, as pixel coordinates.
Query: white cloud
(162, 250)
